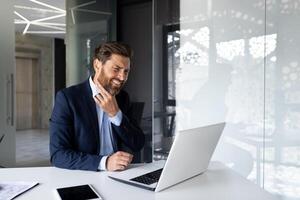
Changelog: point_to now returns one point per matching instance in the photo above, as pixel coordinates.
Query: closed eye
(116, 69)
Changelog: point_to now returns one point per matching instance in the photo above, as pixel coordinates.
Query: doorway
(32, 140)
(27, 84)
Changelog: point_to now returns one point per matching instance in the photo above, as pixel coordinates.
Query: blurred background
(196, 62)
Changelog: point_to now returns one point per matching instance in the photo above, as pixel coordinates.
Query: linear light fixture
(46, 32)
(48, 18)
(17, 21)
(56, 26)
(83, 4)
(26, 28)
(21, 16)
(47, 5)
(26, 20)
(47, 25)
(79, 6)
(53, 27)
(59, 28)
(36, 9)
(94, 11)
(38, 22)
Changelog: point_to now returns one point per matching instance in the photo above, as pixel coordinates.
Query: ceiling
(40, 17)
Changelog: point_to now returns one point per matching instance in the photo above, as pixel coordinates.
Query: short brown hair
(104, 51)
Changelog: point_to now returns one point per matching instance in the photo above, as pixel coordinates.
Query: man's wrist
(117, 119)
(102, 164)
(113, 114)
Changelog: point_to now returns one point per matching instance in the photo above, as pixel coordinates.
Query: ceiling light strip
(21, 16)
(48, 18)
(82, 5)
(94, 11)
(73, 18)
(17, 21)
(47, 26)
(46, 32)
(49, 23)
(26, 28)
(36, 9)
(47, 5)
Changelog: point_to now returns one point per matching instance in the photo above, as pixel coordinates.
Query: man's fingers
(120, 167)
(119, 161)
(98, 101)
(99, 97)
(103, 90)
(124, 158)
(127, 158)
(125, 154)
(123, 162)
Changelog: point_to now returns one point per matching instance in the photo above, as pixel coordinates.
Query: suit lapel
(91, 105)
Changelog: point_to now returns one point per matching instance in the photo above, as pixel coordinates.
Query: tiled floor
(32, 148)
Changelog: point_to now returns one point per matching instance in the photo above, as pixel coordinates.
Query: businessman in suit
(91, 123)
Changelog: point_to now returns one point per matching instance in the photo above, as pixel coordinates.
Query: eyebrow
(117, 66)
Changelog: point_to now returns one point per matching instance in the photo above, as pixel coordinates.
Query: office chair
(136, 112)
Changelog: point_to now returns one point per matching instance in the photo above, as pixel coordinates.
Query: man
(90, 123)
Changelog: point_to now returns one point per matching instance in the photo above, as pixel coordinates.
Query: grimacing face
(113, 74)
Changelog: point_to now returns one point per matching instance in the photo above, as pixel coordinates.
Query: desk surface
(217, 183)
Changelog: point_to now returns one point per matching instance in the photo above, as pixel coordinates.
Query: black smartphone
(80, 192)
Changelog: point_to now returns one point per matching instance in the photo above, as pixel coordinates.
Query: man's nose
(122, 76)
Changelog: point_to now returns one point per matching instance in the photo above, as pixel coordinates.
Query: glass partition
(89, 23)
(218, 61)
(282, 99)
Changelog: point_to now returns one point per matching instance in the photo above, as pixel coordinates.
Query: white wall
(7, 86)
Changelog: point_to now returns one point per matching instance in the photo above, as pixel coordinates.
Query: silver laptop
(189, 156)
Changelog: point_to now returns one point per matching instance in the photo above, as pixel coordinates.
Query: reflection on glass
(231, 49)
(202, 36)
(191, 54)
(88, 25)
(257, 48)
(241, 64)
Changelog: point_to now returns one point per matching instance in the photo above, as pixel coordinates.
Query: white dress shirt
(116, 120)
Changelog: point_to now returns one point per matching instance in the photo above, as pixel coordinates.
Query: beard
(108, 85)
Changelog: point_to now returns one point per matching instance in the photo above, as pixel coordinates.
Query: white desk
(218, 183)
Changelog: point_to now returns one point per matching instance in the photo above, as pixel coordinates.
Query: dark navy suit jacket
(74, 129)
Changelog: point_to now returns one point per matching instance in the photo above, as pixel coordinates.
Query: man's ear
(96, 64)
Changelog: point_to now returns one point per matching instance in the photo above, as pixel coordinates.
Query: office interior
(196, 62)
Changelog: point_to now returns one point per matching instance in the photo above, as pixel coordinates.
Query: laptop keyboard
(148, 178)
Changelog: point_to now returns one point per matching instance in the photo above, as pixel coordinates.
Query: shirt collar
(94, 88)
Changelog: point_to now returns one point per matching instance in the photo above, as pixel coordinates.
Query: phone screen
(81, 192)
